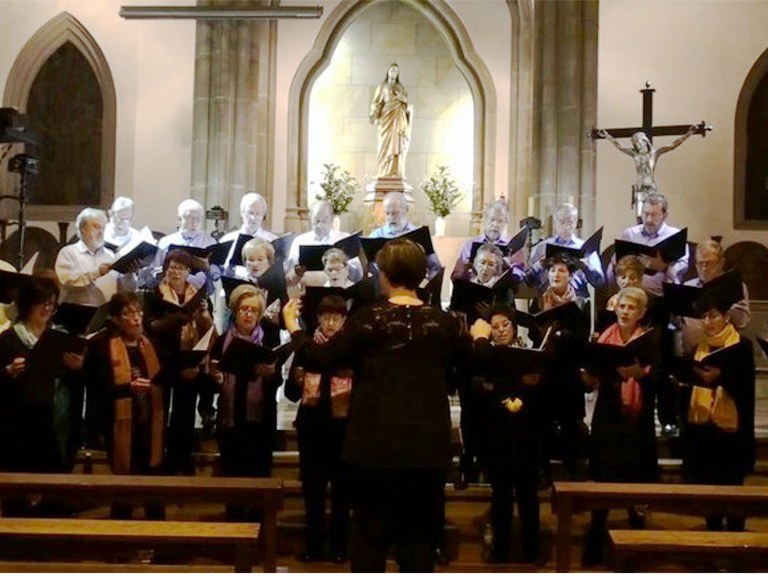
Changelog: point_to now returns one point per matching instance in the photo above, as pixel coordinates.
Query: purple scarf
(254, 396)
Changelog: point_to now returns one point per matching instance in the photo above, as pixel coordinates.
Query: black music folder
(80, 319)
(467, 295)
(242, 355)
(515, 360)
(725, 290)
(143, 253)
(590, 245)
(311, 257)
(569, 316)
(601, 357)
(283, 246)
(355, 296)
(430, 290)
(514, 245)
(684, 368)
(187, 307)
(421, 236)
(670, 249)
(47, 355)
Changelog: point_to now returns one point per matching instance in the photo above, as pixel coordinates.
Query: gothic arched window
(65, 110)
(751, 149)
(62, 80)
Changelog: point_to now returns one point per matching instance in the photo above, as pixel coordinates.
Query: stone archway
(750, 211)
(480, 83)
(38, 49)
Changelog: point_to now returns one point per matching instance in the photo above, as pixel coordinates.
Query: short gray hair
(250, 198)
(335, 255)
(496, 206)
(489, 248)
(320, 205)
(566, 209)
(636, 294)
(187, 205)
(655, 199)
(87, 214)
(120, 203)
(398, 197)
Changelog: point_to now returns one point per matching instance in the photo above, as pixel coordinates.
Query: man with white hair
(119, 231)
(322, 233)
(397, 224)
(253, 211)
(396, 216)
(495, 218)
(190, 233)
(84, 268)
(590, 269)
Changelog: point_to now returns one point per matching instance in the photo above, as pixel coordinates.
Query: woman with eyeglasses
(178, 316)
(247, 409)
(124, 386)
(39, 417)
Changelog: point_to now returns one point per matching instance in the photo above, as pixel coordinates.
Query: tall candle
(531, 205)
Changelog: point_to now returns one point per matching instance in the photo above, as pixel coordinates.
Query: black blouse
(405, 358)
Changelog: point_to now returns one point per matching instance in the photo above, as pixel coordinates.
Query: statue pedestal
(373, 215)
(376, 190)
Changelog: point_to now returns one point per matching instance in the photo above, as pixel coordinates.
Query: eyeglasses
(249, 310)
(132, 312)
(175, 268)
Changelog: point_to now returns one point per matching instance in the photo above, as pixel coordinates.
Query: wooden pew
(569, 498)
(632, 545)
(234, 542)
(265, 494)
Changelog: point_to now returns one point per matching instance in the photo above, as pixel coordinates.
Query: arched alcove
(46, 42)
(750, 186)
(455, 37)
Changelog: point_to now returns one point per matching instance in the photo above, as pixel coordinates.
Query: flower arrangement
(442, 192)
(338, 187)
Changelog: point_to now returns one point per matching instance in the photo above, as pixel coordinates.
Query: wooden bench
(569, 498)
(235, 543)
(631, 546)
(265, 494)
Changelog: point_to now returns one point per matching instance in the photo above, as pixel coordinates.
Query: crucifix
(642, 151)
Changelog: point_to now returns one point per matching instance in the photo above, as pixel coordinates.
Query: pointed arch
(38, 49)
(750, 211)
(452, 31)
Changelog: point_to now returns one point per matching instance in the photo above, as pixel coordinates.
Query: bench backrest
(98, 487)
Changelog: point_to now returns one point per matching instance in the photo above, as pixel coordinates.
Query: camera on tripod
(24, 164)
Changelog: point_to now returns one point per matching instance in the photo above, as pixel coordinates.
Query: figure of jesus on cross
(642, 151)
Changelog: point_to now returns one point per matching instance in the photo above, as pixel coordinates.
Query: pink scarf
(254, 396)
(631, 392)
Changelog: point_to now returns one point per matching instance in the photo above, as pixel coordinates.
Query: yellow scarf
(728, 336)
(708, 405)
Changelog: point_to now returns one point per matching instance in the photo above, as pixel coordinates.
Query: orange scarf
(122, 432)
(550, 299)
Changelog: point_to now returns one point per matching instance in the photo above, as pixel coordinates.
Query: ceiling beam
(218, 13)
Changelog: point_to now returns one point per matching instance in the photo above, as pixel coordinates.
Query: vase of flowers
(443, 195)
(339, 188)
